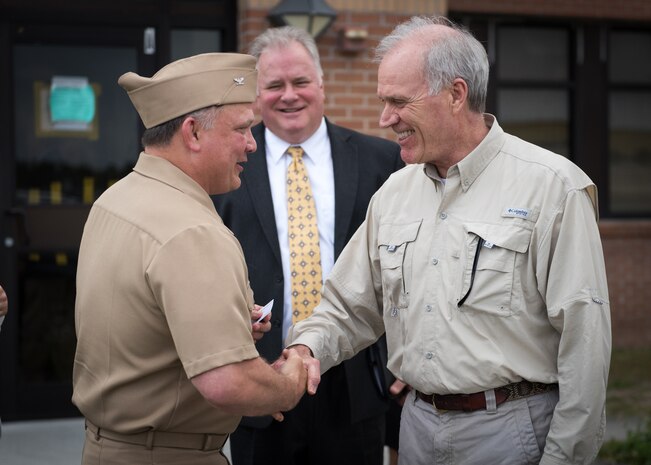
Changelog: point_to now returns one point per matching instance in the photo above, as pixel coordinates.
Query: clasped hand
(290, 357)
(4, 302)
(311, 366)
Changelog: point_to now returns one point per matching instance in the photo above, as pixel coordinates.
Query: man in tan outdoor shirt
(482, 262)
(166, 363)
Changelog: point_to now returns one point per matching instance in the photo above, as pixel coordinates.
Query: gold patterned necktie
(303, 232)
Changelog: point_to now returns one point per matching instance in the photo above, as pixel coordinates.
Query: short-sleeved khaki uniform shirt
(162, 296)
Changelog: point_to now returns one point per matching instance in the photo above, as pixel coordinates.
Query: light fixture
(313, 16)
(352, 40)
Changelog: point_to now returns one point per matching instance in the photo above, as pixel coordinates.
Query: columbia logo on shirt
(516, 212)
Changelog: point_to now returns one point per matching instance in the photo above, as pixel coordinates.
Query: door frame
(47, 399)
(103, 23)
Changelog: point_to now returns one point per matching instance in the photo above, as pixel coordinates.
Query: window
(188, 42)
(529, 53)
(581, 89)
(71, 167)
(533, 76)
(629, 122)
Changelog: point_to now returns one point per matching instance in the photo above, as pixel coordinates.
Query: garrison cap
(190, 84)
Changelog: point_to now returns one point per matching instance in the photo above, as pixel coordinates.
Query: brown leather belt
(477, 400)
(150, 439)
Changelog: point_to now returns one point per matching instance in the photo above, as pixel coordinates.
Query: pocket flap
(397, 234)
(511, 237)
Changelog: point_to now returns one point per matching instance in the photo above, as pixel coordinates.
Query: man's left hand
(264, 326)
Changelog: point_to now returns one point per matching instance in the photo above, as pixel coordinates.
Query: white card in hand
(266, 310)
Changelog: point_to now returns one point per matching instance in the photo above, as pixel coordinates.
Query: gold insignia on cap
(190, 84)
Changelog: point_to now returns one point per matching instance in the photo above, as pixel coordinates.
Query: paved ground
(59, 442)
(45, 442)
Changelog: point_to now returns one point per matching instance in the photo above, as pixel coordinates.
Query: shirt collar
(432, 172)
(164, 171)
(276, 147)
(476, 161)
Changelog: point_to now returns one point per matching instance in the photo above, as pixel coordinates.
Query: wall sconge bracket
(352, 39)
(313, 16)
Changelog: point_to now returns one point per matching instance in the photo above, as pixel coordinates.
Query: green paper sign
(75, 104)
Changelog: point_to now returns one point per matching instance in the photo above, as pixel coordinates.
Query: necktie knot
(296, 152)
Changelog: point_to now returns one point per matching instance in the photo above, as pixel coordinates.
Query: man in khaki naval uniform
(166, 362)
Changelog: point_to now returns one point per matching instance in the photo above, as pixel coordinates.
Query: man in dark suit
(344, 422)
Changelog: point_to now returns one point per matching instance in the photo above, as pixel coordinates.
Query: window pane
(630, 57)
(539, 54)
(537, 116)
(56, 166)
(630, 152)
(188, 42)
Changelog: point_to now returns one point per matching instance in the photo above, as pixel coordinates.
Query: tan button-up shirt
(491, 276)
(162, 296)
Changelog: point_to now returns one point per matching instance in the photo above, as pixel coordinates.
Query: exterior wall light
(313, 16)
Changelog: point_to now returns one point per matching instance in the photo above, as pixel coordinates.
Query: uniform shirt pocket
(489, 270)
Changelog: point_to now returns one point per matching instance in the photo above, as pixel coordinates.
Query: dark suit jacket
(361, 164)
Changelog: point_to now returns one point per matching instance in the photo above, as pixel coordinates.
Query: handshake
(299, 370)
(298, 365)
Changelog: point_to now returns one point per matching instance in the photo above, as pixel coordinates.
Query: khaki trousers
(514, 434)
(102, 451)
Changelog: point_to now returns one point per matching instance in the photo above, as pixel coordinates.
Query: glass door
(74, 134)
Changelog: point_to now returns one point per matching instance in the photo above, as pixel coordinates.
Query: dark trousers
(317, 432)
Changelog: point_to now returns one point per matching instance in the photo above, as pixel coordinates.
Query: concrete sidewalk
(45, 442)
(52, 442)
(55, 442)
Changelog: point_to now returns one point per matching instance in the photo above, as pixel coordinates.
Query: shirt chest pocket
(490, 281)
(395, 248)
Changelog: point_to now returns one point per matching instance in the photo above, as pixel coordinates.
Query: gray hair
(280, 37)
(161, 135)
(448, 56)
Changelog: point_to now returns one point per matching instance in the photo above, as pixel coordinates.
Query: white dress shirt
(318, 163)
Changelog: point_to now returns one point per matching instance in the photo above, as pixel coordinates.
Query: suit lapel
(345, 165)
(257, 184)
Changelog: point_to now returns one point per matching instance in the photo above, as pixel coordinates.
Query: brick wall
(637, 10)
(350, 79)
(350, 83)
(627, 251)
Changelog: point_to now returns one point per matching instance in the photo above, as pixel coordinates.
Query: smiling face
(290, 92)
(225, 146)
(424, 123)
